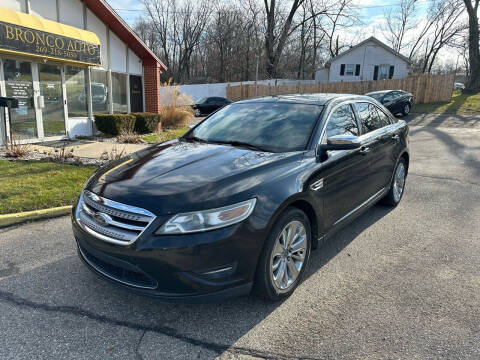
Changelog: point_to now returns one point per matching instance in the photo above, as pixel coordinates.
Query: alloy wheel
(399, 182)
(406, 109)
(288, 255)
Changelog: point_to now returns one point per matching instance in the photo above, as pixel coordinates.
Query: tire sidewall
(264, 278)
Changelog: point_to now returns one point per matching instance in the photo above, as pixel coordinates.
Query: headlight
(208, 219)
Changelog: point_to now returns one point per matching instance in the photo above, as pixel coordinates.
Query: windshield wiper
(197, 139)
(240, 144)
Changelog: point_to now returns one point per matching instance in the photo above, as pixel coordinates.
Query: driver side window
(342, 122)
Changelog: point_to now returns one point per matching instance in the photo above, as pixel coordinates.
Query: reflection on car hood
(175, 176)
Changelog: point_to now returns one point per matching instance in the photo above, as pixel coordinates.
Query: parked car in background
(241, 199)
(397, 101)
(99, 94)
(208, 105)
(458, 86)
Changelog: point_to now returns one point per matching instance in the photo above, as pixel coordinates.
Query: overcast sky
(371, 14)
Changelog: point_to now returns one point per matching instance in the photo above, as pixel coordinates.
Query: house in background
(369, 60)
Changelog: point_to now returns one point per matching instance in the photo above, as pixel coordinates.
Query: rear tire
(198, 113)
(406, 109)
(397, 186)
(284, 257)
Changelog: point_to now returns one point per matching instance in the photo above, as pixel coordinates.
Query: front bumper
(207, 266)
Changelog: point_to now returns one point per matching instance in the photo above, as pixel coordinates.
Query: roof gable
(377, 42)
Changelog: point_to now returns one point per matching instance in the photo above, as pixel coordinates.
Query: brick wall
(151, 79)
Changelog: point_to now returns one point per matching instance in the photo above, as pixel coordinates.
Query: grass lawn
(28, 185)
(165, 135)
(465, 104)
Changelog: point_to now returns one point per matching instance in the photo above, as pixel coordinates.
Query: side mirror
(340, 142)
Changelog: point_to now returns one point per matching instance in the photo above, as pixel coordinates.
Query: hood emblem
(101, 219)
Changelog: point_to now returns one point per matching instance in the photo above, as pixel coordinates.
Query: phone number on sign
(55, 52)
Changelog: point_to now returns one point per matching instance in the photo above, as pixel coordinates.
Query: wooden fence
(426, 88)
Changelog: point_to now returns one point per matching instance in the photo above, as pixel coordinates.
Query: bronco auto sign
(23, 40)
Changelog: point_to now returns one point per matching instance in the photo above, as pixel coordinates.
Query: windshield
(202, 100)
(98, 90)
(274, 127)
(377, 96)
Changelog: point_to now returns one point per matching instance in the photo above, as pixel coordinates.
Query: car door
(209, 106)
(218, 103)
(402, 100)
(379, 141)
(389, 102)
(343, 172)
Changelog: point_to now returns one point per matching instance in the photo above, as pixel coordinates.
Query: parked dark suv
(397, 101)
(242, 198)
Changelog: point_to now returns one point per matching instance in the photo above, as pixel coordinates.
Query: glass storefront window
(119, 92)
(18, 84)
(76, 94)
(99, 86)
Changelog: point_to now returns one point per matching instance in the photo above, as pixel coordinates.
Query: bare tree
(398, 22)
(473, 83)
(339, 16)
(179, 27)
(445, 28)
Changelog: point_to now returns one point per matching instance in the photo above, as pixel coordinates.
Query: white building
(64, 61)
(369, 60)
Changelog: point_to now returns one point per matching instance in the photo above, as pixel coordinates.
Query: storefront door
(19, 84)
(53, 114)
(136, 94)
(38, 88)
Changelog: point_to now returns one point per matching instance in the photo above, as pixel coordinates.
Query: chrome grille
(111, 221)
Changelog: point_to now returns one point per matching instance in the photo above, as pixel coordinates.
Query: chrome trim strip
(110, 276)
(218, 271)
(360, 206)
(117, 205)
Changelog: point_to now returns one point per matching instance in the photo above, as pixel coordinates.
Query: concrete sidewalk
(91, 149)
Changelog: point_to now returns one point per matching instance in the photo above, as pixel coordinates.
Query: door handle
(364, 150)
(395, 136)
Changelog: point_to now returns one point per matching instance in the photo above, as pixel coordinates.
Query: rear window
(377, 97)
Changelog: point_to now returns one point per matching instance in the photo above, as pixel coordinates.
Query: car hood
(187, 176)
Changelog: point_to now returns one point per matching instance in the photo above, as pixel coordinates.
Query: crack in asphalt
(16, 300)
(443, 178)
(137, 348)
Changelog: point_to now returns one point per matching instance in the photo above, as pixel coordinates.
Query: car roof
(379, 92)
(312, 99)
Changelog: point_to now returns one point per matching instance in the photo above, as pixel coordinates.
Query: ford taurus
(238, 203)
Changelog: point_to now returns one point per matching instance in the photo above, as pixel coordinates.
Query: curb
(10, 219)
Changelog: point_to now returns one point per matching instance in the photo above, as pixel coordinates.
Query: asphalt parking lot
(396, 284)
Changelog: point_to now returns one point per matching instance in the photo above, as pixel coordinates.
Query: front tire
(284, 256)
(397, 186)
(198, 113)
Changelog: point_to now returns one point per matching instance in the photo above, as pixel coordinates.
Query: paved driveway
(401, 283)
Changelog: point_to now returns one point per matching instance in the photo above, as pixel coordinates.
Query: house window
(383, 72)
(350, 68)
